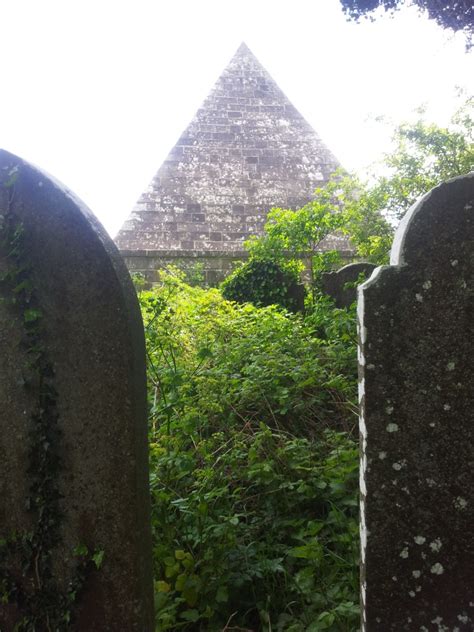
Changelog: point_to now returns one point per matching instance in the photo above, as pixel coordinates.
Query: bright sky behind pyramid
(98, 91)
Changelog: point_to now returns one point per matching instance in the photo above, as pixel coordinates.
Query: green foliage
(363, 219)
(457, 15)
(260, 524)
(299, 233)
(265, 282)
(211, 360)
(253, 465)
(291, 236)
(252, 413)
(425, 155)
(193, 272)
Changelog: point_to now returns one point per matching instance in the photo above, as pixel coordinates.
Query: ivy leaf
(98, 558)
(190, 615)
(222, 594)
(163, 587)
(12, 177)
(31, 315)
(81, 550)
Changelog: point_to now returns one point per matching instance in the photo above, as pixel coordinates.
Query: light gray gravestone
(75, 543)
(341, 284)
(416, 361)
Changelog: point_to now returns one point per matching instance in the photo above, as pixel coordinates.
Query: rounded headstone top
(37, 181)
(340, 284)
(72, 399)
(439, 228)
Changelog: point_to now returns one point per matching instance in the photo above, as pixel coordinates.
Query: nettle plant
(28, 585)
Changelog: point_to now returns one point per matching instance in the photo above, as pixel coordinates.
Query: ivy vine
(27, 577)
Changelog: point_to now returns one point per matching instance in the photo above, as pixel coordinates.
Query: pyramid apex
(243, 50)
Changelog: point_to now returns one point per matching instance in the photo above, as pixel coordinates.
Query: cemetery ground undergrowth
(254, 463)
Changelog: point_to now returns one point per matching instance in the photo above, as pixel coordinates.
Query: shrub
(265, 282)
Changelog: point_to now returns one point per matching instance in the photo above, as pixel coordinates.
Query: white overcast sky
(97, 92)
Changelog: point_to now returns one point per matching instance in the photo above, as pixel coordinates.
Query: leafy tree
(363, 221)
(424, 155)
(457, 15)
(294, 236)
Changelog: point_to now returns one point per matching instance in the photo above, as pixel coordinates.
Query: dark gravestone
(75, 539)
(341, 285)
(416, 324)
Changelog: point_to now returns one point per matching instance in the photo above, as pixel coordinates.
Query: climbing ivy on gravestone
(74, 519)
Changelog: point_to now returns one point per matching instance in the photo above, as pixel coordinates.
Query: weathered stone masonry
(246, 150)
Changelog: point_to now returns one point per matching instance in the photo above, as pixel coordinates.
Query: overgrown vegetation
(294, 238)
(254, 459)
(253, 464)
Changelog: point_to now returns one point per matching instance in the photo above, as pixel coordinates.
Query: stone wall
(210, 267)
(213, 266)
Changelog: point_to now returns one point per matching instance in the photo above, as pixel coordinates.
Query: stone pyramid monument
(246, 151)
